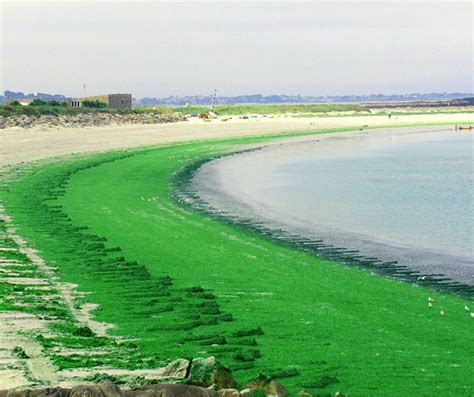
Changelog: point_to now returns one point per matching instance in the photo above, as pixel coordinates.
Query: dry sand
(23, 145)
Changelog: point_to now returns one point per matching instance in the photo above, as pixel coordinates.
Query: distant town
(257, 98)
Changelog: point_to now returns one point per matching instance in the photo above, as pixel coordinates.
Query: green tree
(94, 104)
(39, 102)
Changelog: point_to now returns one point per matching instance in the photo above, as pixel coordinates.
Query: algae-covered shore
(173, 283)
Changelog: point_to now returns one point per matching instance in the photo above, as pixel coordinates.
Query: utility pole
(85, 90)
(213, 102)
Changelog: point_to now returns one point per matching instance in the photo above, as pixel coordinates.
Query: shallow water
(404, 195)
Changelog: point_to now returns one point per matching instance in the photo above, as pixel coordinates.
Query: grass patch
(271, 109)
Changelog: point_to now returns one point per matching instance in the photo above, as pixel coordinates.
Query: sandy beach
(23, 145)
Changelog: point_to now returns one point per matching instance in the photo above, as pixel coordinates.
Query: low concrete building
(115, 101)
(120, 101)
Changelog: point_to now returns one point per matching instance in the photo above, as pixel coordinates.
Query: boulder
(142, 393)
(267, 385)
(110, 389)
(86, 391)
(208, 371)
(177, 369)
(56, 392)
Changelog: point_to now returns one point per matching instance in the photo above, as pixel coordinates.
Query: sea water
(404, 195)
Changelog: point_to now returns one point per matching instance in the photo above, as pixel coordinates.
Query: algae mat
(181, 284)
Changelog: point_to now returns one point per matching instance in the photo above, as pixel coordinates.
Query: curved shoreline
(410, 264)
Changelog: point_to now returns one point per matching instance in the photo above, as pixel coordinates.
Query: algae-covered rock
(177, 369)
(267, 385)
(208, 371)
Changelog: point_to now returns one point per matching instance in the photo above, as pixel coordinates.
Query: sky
(158, 48)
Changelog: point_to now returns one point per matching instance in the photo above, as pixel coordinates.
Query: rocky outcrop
(177, 369)
(108, 389)
(208, 372)
(200, 377)
(88, 120)
(169, 390)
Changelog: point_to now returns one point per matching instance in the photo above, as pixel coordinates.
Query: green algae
(174, 280)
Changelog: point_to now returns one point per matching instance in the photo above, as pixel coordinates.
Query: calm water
(406, 196)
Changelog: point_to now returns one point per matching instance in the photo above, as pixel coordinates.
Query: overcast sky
(169, 48)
